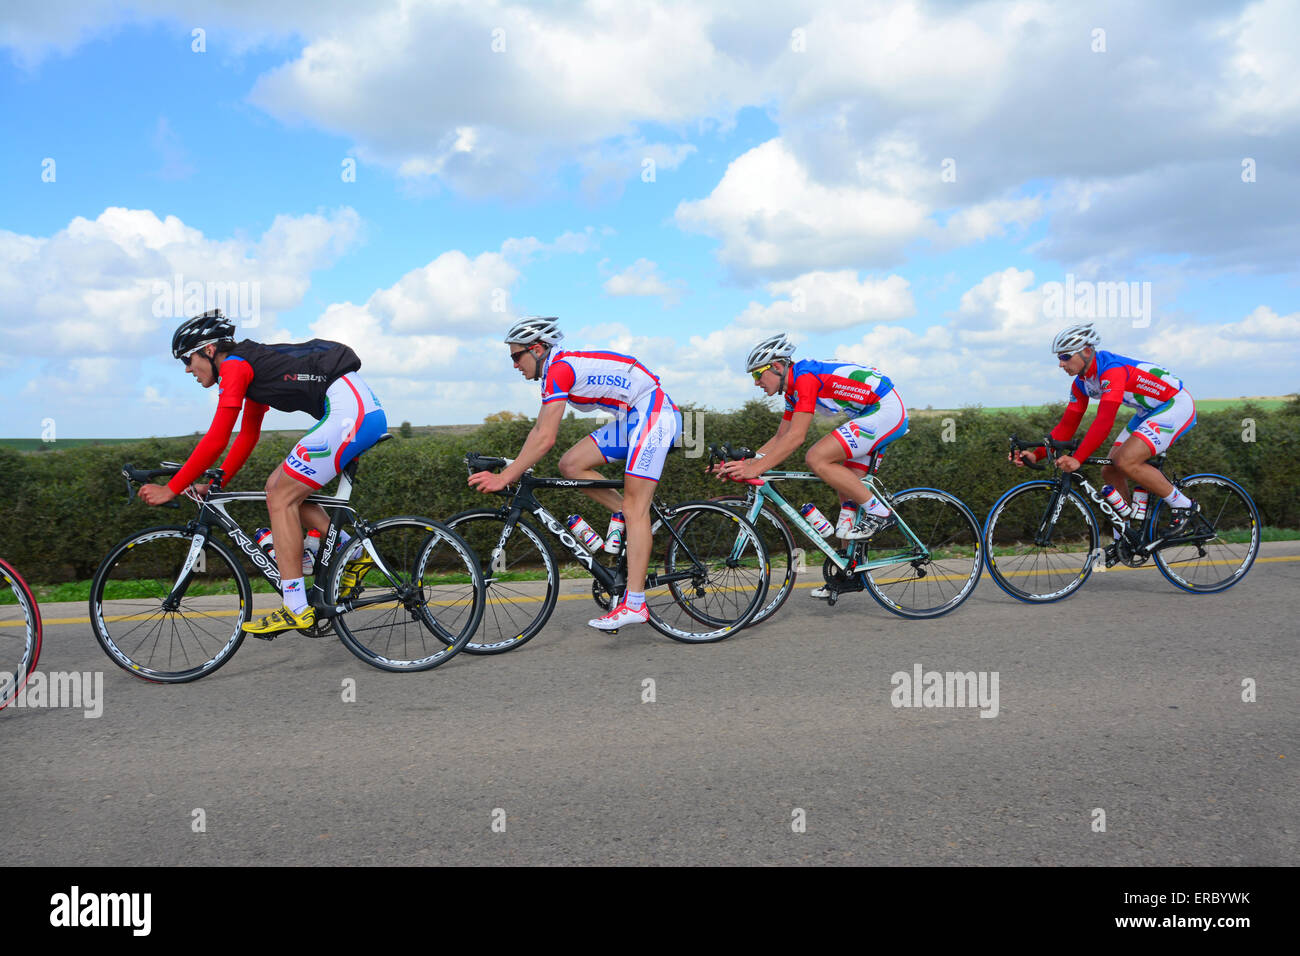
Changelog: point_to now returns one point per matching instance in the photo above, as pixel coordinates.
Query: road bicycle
(20, 633)
(926, 564)
(1043, 539)
(701, 586)
(168, 603)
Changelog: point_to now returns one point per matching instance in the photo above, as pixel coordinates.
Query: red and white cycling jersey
(589, 379)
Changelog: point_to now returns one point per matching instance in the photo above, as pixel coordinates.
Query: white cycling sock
(877, 507)
(1178, 500)
(295, 596)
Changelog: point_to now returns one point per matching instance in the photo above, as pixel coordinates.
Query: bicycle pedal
(263, 637)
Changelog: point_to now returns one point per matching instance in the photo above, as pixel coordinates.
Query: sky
(931, 188)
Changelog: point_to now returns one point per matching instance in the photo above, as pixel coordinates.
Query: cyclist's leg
(1154, 435)
(605, 444)
(840, 459)
(658, 423)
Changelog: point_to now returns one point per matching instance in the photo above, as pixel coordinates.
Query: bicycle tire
(1230, 512)
(1012, 524)
(952, 535)
(432, 606)
(148, 563)
(710, 545)
(508, 621)
(19, 653)
(779, 541)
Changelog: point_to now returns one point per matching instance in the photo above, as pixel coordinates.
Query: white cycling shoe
(620, 616)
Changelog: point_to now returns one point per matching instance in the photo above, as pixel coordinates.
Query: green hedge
(60, 511)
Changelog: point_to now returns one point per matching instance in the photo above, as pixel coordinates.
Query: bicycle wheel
(779, 541)
(424, 613)
(1222, 542)
(161, 641)
(523, 580)
(1027, 570)
(728, 574)
(919, 587)
(20, 633)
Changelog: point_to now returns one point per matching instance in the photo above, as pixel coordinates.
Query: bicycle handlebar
(141, 476)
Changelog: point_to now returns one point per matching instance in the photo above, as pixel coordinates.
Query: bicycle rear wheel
(920, 587)
(717, 574)
(169, 642)
(1221, 543)
(1033, 572)
(20, 633)
(419, 614)
(523, 580)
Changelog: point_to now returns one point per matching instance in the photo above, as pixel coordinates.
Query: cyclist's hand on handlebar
(156, 494)
(487, 482)
(741, 470)
(1021, 458)
(1067, 463)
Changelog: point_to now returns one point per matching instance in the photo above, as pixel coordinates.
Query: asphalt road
(1125, 698)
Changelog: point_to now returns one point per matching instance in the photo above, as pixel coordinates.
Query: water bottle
(614, 536)
(1140, 497)
(310, 547)
(263, 538)
(817, 520)
(848, 511)
(584, 532)
(1116, 500)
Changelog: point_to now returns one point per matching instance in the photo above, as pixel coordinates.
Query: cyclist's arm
(202, 458)
(1069, 423)
(1112, 393)
(250, 430)
(540, 440)
(787, 440)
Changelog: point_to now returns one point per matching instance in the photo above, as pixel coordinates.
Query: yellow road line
(587, 596)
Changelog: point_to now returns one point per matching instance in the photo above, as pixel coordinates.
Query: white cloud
(109, 285)
(642, 278)
(826, 301)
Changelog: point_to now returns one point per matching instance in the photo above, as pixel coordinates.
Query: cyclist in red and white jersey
(319, 377)
(877, 417)
(646, 422)
(1164, 411)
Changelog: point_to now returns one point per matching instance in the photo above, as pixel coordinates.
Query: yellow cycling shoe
(281, 619)
(353, 572)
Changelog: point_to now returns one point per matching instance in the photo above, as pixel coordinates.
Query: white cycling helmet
(1075, 338)
(535, 328)
(772, 349)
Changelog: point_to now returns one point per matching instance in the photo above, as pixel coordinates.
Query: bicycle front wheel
(713, 577)
(937, 558)
(161, 638)
(523, 581)
(417, 610)
(779, 542)
(1220, 545)
(20, 633)
(1037, 556)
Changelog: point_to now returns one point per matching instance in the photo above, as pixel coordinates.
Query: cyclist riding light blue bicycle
(1164, 411)
(319, 377)
(876, 413)
(645, 425)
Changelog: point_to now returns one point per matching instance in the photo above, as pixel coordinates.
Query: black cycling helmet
(200, 331)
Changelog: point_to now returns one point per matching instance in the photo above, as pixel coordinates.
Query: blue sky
(893, 185)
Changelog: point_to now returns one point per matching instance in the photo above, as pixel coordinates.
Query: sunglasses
(515, 356)
(758, 372)
(1065, 356)
(189, 358)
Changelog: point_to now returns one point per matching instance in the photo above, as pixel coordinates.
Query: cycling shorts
(873, 431)
(353, 422)
(642, 436)
(1162, 426)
